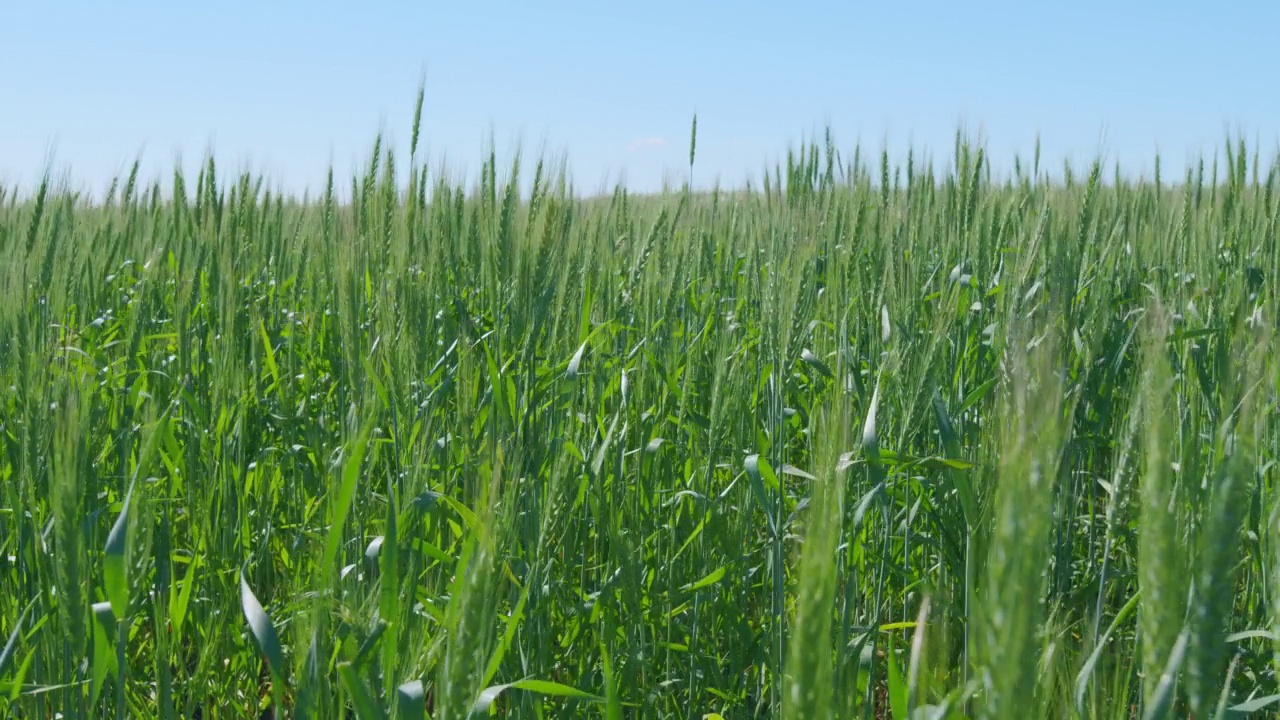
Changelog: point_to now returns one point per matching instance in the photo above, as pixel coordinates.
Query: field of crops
(865, 441)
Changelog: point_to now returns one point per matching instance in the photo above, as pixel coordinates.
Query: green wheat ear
(1223, 515)
(417, 120)
(693, 146)
(1012, 607)
(1162, 562)
(810, 692)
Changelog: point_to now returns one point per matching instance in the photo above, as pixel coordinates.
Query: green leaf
(1256, 704)
(1086, 672)
(371, 641)
(576, 360)
(813, 361)
(540, 687)
(870, 438)
(1162, 699)
(21, 675)
(104, 654)
(941, 463)
(597, 463)
(794, 471)
(262, 629)
(1253, 635)
(373, 550)
(512, 624)
(757, 470)
(269, 355)
(897, 688)
(114, 573)
(708, 580)
(366, 707)
(341, 506)
(1220, 710)
(613, 705)
(978, 393)
(555, 689)
(466, 514)
(180, 599)
(12, 644)
(411, 701)
(865, 504)
(498, 388)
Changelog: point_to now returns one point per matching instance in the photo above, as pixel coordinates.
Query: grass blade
(539, 687)
(366, 707)
(11, 645)
(263, 631)
(114, 572)
(411, 700)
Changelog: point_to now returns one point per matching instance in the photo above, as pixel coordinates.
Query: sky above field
(287, 88)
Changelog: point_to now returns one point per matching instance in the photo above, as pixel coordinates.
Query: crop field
(868, 440)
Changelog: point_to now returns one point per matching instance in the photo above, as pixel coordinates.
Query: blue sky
(286, 88)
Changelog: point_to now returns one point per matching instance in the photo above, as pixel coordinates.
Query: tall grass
(866, 441)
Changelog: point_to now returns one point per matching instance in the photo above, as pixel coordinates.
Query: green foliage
(858, 443)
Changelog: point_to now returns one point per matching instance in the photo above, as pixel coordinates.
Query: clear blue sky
(287, 87)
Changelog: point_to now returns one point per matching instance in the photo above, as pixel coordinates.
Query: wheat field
(866, 440)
